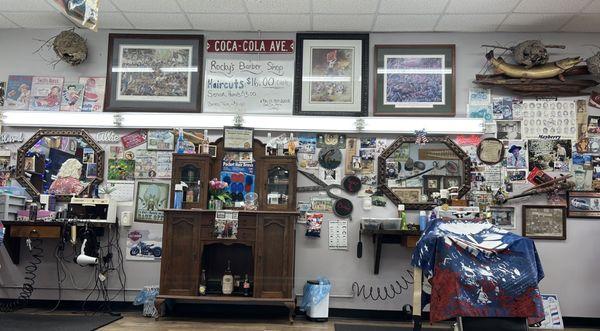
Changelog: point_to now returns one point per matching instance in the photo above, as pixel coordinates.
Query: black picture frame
(299, 72)
(137, 103)
(526, 226)
(445, 51)
(481, 146)
(579, 204)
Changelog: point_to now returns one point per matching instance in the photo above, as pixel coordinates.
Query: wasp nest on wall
(593, 64)
(70, 47)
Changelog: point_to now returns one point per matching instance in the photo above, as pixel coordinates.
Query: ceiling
(321, 15)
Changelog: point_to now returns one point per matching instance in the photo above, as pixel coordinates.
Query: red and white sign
(250, 46)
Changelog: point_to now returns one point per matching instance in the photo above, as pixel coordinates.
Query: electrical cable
(37, 253)
(388, 292)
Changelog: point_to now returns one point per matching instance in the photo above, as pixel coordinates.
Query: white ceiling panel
(107, 6)
(39, 20)
(147, 6)
(6, 24)
(481, 6)
(220, 22)
(391, 23)
(534, 22)
(481, 22)
(342, 22)
(213, 6)
(551, 6)
(156, 21)
(114, 21)
(593, 7)
(344, 7)
(25, 5)
(278, 6)
(412, 6)
(583, 23)
(282, 23)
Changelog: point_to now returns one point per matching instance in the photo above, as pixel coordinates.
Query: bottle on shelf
(246, 286)
(422, 220)
(269, 148)
(178, 196)
(180, 143)
(205, 143)
(402, 215)
(227, 282)
(291, 145)
(197, 192)
(203, 283)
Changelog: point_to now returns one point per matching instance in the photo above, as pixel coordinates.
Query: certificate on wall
(238, 139)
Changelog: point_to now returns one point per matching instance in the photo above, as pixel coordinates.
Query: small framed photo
(414, 80)
(452, 181)
(237, 138)
(408, 194)
(583, 204)
(544, 222)
(154, 73)
(212, 150)
(504, 217)
(431, 183)
(332, 74)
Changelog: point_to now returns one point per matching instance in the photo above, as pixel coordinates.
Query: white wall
(571, 266)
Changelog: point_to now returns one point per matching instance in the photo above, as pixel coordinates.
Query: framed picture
(150, 200)
(408, 194)
(154, 73)
(237, 138)
(504, 217)
(212, 150)
(452, 181)
(431, 183)
(545, 222)
(414, 80)
(160, 140)
(583, 204)
(331, 74)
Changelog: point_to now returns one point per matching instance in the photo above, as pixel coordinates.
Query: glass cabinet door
(190, 175)
(278, 186)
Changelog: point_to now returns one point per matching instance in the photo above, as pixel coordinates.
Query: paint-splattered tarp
(479, 270)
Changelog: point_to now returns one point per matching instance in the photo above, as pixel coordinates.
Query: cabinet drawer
(245, 221)
(243, 234)
(32, 231)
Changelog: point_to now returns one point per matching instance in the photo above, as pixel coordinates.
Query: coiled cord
(37, 253)
(388, 292)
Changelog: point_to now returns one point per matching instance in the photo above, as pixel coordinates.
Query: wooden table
(15, 230)
(406, 238)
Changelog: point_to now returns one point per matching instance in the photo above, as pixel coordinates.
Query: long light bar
(433, 125)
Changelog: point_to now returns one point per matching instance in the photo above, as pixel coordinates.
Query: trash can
(146, 297)
(315, 301)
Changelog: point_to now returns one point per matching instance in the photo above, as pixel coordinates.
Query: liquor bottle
(269, 149)
(203, 283)
(246, 286)
(291, 145)
(197, 192)
(180, 143)
(227, 283)
(205, 143)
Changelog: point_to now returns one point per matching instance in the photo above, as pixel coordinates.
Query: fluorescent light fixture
(391, 125)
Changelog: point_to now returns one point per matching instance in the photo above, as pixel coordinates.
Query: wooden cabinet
(266, 240)
(194, 170)
(276, 177)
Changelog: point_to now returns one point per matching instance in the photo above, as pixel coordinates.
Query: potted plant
(218, 194)
(105, 190)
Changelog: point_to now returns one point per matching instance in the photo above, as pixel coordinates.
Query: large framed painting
(331, 75)
(415, 80)
(154, 73)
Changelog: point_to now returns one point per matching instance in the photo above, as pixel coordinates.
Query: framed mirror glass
(410, 174)
(65, 163)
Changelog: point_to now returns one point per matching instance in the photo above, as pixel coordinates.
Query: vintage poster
(160, 140)
(549, 155)
(151, 198)
(72, 97)
(480, 96)
(145, 164)
(93, 93)
(502, 108)
(549, 119)
(307, 144)
(46, 93)
(164, 161)
(481, 111)
(18, 92)
(144, 245)
(121, 169)
(133, 139)
(256, 85)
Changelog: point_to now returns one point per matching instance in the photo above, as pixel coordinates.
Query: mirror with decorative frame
(65, 163)
(410, 174)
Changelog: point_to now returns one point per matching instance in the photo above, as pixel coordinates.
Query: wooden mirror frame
(382, 170)
(22, 151)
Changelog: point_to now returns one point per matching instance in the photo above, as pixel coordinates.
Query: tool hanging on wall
(557, 184)
(342, 207)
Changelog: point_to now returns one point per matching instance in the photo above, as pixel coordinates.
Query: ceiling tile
(470, 23)
(113, 21)
(220, 22)
(107, 6)
(593, 7)
(281, 23)
(156, 21)
(551, 6)
(342, 22)
(391, 23)
(278, 6)
(583, 23)
(213, 6)
(481, 6)
(39, 20)
(5, 23)
(342, 7)
(25, 5)
(534, 22)
(147, 6)
(412, 6)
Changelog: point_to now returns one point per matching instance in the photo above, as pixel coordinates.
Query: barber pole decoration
(250, 46)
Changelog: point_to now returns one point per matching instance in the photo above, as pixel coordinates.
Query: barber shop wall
(571, 266)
